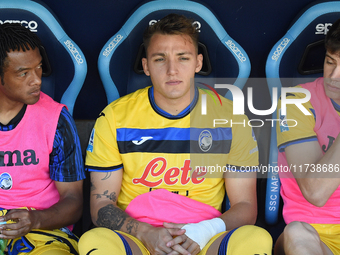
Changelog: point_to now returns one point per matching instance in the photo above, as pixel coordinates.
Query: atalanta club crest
(6, 181)
(205, 140)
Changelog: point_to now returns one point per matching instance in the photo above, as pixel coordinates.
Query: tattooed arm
(105, 189)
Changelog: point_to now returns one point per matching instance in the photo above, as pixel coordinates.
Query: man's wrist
(142, 229)
(203, 231)
(34, 216)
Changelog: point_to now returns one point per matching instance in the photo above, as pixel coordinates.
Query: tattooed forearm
(132, 225)
(107, 176)
(111, 217)
(112, 196)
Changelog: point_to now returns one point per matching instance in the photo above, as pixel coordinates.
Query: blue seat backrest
(118, 56)
(66, 74)
(295, 59)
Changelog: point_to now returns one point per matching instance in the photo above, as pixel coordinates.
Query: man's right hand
(156, 240)
(181, 243)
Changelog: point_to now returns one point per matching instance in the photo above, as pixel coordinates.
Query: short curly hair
(14, 37)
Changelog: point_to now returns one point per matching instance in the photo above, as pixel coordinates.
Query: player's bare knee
(297, 231)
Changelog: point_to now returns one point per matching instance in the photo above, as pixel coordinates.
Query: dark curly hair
(332, 40)
(14, 37)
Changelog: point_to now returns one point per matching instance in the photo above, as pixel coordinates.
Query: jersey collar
(336, 106)
(165, 114)
(15, 121)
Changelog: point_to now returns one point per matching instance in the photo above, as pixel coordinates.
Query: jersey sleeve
(66, 160)
(102, 153)
(295, 127)
(244, 151)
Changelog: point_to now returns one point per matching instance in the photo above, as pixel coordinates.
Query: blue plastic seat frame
(153, 6)
(80, 66)
(273, 66)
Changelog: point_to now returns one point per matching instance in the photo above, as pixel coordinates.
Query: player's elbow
(94, 220)
(317, 202)
(94, 217)
(78, 212)
(315, 198)
(252, 214)
(252, 218)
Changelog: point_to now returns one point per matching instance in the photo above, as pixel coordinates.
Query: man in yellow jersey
(311, 191)
(142, 155)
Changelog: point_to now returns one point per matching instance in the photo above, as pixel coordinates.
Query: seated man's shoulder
(123, 106)
(140, 94)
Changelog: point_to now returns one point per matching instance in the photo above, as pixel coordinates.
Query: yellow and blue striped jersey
(158, 150)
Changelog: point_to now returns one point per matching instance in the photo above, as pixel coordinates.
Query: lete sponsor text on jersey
(157, 168)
